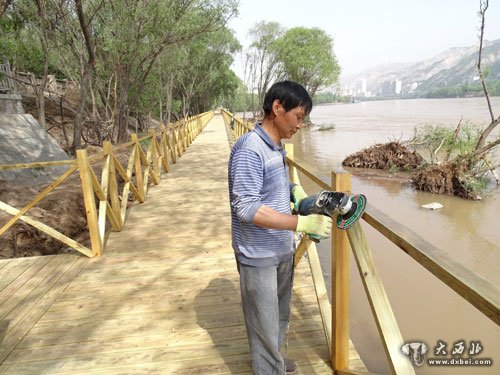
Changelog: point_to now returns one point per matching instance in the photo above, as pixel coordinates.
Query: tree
(136, 34)
(481, 147)
(204, 79)
(306, 56)
(41, 6)
(262, 56)
(464, 171)
(127, 58)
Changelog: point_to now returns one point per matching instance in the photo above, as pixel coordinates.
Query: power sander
(349, 208)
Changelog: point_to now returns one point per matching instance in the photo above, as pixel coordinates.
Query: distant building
(360, 87)
(397, 86)
(391, 88)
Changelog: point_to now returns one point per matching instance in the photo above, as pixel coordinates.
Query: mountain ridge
(452, 67)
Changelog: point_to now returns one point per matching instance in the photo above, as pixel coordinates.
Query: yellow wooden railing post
(171, 142)
(292, 171)
(89, 199)
(138, 167)
(164, 148)
(155, 156)
(113, 185)
(340, 181)
(182, 130)
(176, 140)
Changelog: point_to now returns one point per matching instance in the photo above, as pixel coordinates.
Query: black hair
(290, 94)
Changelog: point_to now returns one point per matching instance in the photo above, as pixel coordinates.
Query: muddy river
(426, 309)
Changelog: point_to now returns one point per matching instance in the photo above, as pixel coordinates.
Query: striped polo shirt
(258, 175)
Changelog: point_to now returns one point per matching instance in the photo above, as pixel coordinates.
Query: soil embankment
(24, 141)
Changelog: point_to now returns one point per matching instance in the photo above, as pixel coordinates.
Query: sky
(367, 33)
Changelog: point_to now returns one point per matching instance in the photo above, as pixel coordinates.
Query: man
(262, 224)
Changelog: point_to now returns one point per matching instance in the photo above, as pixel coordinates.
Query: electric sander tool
(349, 208)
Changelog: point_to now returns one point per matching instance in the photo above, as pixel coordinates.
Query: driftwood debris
(385, 156)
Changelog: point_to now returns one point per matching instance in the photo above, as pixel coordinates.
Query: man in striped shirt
(262, 224)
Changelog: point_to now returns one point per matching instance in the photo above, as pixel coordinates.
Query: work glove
(316, 226)
(298, 194)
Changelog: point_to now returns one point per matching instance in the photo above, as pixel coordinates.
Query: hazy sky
(367, 33)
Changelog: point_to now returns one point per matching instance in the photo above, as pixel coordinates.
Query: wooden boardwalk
(164, 297)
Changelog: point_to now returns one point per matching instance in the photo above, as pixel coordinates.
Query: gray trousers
(265, 297)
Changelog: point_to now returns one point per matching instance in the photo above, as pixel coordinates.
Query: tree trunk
(80, 112)
(170, 88)
(122, 120)
(43, 41)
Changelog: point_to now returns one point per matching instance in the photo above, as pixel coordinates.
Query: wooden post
(113, 184)
(379, 303)
(177, 140)
(164, 147)
(294, 177)
(182, 132)
(138, 167)
(89, 199)
(341, 181)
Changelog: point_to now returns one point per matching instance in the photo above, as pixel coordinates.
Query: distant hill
(453, 67)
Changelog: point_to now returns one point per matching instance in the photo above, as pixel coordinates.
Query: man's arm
(266, 217)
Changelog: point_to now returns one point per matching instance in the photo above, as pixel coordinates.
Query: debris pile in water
(385, 156)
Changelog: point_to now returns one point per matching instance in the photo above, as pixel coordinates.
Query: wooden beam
(341, 181)
(43, 164)
(301, 249)
(96, 185)
(324, 304)
(481, 293)
(113, 186)
(310, 172)
(379, 302)
(38, 198)
(48, 230)
(138, 168)
(121, 171)
(164, 148)
(88, 197)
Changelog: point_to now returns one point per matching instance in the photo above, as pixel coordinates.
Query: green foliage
(440, 138)
(261, 58)
(19, 32)
(306, 56)
(328, 97)
(139, 47)
(465, 90)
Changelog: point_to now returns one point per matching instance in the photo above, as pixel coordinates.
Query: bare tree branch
(458, 129)
(483, 6)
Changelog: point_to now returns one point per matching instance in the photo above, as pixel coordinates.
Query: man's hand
(319, 226)
(298, 194)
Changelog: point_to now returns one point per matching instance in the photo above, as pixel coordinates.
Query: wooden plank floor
(164, 297)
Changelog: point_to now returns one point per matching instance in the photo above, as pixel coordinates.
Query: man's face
(288, 123)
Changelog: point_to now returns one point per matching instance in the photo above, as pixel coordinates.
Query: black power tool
(349, 208)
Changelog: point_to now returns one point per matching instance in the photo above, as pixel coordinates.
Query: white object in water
(433, 206)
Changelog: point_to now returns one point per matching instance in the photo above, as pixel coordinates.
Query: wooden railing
(6, 83)
(106, 201)
(470, 286)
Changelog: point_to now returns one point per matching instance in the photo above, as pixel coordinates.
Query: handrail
(479, 292)
(145, 163)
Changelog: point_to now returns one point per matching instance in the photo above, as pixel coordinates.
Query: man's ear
(276, 106)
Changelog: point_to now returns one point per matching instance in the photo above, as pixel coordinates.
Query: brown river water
(426, 309)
